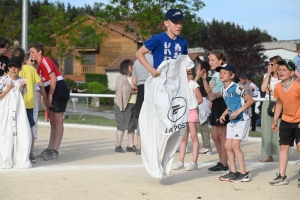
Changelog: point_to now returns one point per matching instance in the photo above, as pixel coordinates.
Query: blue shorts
(30, 117)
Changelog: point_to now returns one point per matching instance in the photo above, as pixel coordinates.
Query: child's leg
(183, 144)
(195, 140)
(215, 138)
(283, 158)
(230, 154)
(222, 138)
(57, 130)
(239, 155)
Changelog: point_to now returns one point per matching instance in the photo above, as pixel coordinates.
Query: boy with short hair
(287, 94)
(165, 46)
(237, 101)
(15, 135)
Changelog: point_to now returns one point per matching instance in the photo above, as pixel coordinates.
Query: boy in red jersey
(58, 96)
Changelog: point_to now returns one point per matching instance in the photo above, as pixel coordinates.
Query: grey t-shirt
(140, 72)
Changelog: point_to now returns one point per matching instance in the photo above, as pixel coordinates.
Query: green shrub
(95, 88)
(100, 78)
(69, 83)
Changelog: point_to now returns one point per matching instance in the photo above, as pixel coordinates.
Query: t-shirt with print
(164, 48)
(3, 64)
(29, 73)
(46, 67)
(290, 101)
(234, 99)
(6, 80)
(192, 96)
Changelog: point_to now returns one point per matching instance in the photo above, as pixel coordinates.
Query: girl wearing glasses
(270, 139)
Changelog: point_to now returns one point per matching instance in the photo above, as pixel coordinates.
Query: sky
(280, 18)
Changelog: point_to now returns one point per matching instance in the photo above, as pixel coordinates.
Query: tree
(10, 17)
(146, 15)
(243, 48)
(53, 28)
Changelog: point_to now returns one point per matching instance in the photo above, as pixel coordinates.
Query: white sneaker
(178, 165)
(206, 151)
(192, 167)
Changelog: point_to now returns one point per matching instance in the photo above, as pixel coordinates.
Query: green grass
(102, 121)
(89, 119)
(254, 134)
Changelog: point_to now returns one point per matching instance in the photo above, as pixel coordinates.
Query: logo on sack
(177, 109)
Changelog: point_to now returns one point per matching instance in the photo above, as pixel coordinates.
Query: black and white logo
(177, 109)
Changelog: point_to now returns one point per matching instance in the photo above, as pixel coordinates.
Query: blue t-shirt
(164, 48)
(297, 62)
(233, 96)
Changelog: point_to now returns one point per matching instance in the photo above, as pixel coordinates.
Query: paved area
(88, 168)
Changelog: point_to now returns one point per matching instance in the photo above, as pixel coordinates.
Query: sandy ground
(88, 168)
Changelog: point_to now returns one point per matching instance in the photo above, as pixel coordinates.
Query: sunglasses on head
(272, 64)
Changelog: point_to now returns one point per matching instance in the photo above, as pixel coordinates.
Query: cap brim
(13, 64)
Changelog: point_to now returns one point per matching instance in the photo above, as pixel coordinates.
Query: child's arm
(198, 95)
(9, 87)
(222, 118)
(248, 103)
(44, 94)
(22, 86)
(53, 83)
(278, 109)
(140, 55)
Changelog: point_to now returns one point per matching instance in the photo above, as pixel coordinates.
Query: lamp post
(25, 24)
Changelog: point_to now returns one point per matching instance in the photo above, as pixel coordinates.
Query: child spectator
(237, 101)
(15, 134)
(195, 99)
(218, 133)
(204, 107)
(29, 73)
(287, 94)
(58, 96)
(164, 46)
(253, 93)
(297, 61)
(4, 43)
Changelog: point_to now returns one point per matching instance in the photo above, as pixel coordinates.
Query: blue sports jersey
(164, 48)
(233, 96)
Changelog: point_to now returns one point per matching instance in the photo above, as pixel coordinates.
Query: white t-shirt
(6, 80)
(273, 82)
(193, 99)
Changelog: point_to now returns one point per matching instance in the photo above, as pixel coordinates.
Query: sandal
(268, 159)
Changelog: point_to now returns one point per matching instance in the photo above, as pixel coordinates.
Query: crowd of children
(219, 101)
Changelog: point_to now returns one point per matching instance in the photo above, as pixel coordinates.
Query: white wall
(281, 52)
(112, 77)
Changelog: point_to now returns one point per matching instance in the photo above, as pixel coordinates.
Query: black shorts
(30, 117)
(288, 133)
(218, 107)
(58, 106)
